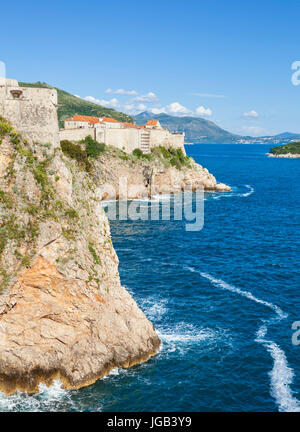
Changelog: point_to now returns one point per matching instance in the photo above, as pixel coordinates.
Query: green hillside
(69, 105)
(293, 148)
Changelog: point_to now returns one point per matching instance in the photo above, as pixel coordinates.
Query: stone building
(32, 111)
(126, 136)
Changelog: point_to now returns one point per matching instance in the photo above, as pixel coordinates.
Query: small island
(290, 150)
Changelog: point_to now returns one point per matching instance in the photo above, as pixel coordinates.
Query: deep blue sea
(222, 299)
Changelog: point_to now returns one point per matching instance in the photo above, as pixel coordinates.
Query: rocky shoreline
(145, 179)
(63, 311)
(286, 155)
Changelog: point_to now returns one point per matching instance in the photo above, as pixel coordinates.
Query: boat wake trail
(281, 375)
(233, 193)
(250, 191)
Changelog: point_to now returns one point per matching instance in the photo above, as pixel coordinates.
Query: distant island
(291, 150)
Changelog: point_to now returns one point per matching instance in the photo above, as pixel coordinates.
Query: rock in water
(63, 311)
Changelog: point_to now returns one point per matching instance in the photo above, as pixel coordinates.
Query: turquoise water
(223, 299)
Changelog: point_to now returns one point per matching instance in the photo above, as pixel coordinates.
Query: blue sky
(229, 61)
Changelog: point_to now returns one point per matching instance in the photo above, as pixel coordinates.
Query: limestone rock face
(119, 179)
(63, 311)
(286, 155)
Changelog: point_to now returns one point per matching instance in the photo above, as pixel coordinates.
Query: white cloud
(177, 109)
(209, 95)
(174, 108)
(250, 114)
(122, 92)
(201, 111)
(158, 110)
(142, 107)
(126, 92)
(253, 130)
(112, 103)
(144, 102)
(149, 97)
(131, 109)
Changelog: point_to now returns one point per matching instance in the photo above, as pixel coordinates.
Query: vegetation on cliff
(27, 198)
(63, 311)
(292, 148)
(69, 105)
(88, 149)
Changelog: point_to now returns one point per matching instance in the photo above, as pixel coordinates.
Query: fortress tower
(32, 111)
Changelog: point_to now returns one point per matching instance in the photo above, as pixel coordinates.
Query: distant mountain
(288, 135)
(69, 105)
(200, 130)
(196, 129)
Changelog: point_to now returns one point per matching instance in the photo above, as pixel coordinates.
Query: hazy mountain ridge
(204, 131)
(196, 129)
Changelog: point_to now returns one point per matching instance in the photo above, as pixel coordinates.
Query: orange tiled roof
(109, 119)
(133, 125)
(83, 118)
(94, 120)
(152, 122)
(91, 119)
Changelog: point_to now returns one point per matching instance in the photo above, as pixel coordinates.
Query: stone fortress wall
(124, 136)
(32, 111)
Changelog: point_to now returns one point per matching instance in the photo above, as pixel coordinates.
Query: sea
(223, 299)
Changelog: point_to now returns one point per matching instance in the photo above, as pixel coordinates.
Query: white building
(126, 136)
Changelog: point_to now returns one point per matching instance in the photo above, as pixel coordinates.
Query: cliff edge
(63, 311)
(137, 175)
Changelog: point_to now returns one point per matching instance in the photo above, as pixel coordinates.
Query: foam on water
(154, 309)
(183, 336)
(221, 284)
(250, 192)
(281, 375)
(234, 193)
(53, 398)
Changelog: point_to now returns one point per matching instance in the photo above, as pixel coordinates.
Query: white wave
(221, 284)
(281, 374)
(162, 197)
(154, 309)
(113, 372)
(52, 398)
(233, 193)
(178, 335)
(183, 337)
(250, 191)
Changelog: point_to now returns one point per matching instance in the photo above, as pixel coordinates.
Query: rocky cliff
(63, 311)
(157, 173)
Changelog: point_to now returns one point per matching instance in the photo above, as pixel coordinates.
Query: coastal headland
(63, 311)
